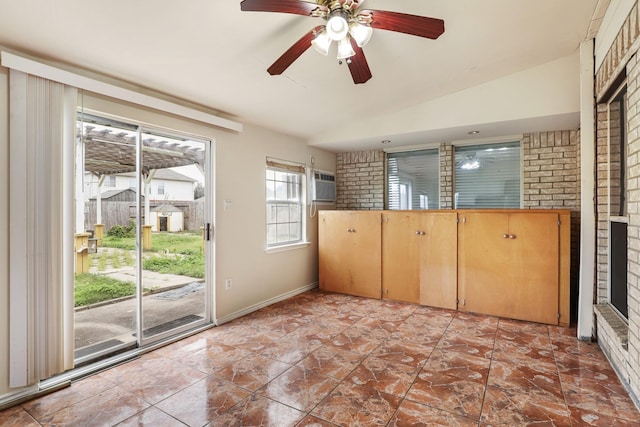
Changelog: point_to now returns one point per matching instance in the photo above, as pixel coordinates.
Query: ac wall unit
(323, 187)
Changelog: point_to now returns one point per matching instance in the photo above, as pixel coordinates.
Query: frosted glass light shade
(360, 33)
(337, 27)
(344, 49)
(322, 43)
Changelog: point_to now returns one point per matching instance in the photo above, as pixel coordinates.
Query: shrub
(122, 231)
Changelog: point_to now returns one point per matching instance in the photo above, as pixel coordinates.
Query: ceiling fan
(347, 24)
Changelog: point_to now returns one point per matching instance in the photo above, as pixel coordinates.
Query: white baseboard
(255, 307)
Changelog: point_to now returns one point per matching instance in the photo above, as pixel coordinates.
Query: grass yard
(94, 288)
(171, 253)
(186, 243)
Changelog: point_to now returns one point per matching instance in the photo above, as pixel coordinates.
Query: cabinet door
(439, 260)
(401, 267)
(350, 252)
(508, 265)
(534, 274)
(419, 255)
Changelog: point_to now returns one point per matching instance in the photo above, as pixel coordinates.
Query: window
(487, 176)
(160, 188)
(285, 204)
(110, 181)
(413, 180)
(617, 154)
(617, 112)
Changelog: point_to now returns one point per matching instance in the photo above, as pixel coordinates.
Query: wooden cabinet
(350, 252)
(509, 264)
(419, 251)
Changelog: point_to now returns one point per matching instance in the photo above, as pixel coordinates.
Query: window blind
(413, 180)
(41, 137)
(487, 176)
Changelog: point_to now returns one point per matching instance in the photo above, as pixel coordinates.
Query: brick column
(447, 162)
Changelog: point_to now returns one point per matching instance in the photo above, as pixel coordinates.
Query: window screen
(413, 180)
(487, 176)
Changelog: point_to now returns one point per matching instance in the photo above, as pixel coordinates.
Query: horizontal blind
(487, 176)
(413, 180)
(290, 167)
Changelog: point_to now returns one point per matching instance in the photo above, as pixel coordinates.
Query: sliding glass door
(142, 228)
(173, 269)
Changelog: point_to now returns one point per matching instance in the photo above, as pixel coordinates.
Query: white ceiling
(210, 53)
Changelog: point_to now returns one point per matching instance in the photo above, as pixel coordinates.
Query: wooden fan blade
(415, 25)
(358, 66)
(284, 6)
(293, 52)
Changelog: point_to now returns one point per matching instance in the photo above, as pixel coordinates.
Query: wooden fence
(122, 213)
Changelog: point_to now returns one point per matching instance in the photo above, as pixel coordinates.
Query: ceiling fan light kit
(348, 25)
(337, 25)
(344, 49)
(361, 33)
(322, 42)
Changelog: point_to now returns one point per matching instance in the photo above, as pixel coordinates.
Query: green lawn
(94, 288)
(186, 243)
(171, 253)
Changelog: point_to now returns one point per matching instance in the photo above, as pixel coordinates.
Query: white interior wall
(550, 89)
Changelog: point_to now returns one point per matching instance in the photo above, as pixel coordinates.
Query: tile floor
(322, 359)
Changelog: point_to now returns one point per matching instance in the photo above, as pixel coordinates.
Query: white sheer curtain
(42, 132)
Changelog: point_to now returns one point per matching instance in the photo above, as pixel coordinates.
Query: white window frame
(294, 169)
(623, 89)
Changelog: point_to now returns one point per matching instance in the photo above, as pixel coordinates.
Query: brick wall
(624, 46)
(446, 175)
(550, 177)
(360, 180)
(602, 204)
(633, 205)
(620, 342)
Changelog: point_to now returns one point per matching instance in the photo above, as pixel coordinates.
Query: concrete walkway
(168, 298)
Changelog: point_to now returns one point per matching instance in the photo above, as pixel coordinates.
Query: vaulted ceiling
(212, 54)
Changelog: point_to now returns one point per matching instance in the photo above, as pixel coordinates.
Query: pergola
(106, 152)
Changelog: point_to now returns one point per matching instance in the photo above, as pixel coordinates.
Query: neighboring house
(165, 185)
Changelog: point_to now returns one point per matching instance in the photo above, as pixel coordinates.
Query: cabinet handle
(512, 236)
(422, 233)
(351, 230)
(505, 236)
